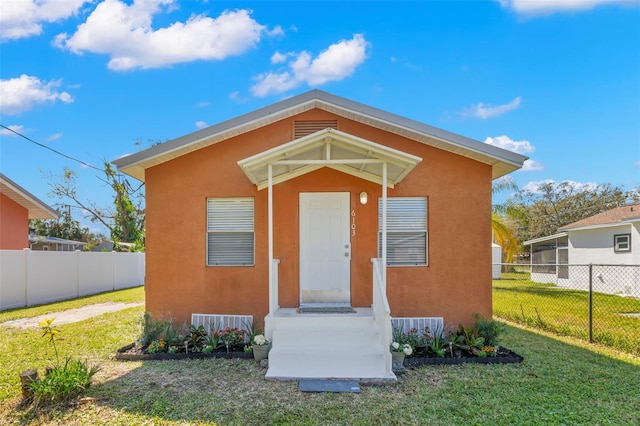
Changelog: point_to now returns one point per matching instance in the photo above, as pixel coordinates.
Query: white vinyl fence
(34, 277)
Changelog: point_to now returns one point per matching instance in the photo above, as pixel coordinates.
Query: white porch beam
(343, 161)
(272, 303)
(384, 227)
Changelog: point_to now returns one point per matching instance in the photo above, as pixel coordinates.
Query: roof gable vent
(304, 128)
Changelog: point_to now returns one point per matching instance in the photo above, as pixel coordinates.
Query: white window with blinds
(230, 232)
(406, 231)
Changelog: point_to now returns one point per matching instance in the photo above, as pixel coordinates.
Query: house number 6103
(353, 223)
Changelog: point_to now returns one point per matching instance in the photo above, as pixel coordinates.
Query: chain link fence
(598, 303)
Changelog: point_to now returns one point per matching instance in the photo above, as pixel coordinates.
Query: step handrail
(382, 311)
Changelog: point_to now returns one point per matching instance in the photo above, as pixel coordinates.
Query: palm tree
(501, 216)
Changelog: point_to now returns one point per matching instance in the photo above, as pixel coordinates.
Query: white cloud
(534, 186)
(531, 166)
(521, 147)
(124, 32)
(276, 31)
(237, 97)
(25, 92)
(201, 124)
(15, 127)
(279, 58)
(484, 111)
(505, 142)
(636, 164)
(54, 137)
(546, 7)
(24, 18)
(337, 62)
(203, 104)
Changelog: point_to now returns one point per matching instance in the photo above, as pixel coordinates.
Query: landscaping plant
(62, 381)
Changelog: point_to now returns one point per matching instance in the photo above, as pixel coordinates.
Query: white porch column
(272, 303)
(384, 227)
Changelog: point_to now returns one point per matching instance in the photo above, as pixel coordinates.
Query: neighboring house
(17, 206)
(38, 242)
(608, 238)
(284, 208)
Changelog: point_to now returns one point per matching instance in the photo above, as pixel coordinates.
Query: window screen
(406, 231)
(230, 232)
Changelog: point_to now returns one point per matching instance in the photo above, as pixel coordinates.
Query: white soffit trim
(329, 148)
(543, 239)
(36, 208)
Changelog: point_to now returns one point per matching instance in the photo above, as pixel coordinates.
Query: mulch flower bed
(502, 356)
(133, 353)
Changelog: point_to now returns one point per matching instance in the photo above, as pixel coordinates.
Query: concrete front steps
(322, 345)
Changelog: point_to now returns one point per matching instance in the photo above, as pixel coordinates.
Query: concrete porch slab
(324, 385)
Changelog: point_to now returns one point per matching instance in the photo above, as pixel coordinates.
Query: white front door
(325, 248)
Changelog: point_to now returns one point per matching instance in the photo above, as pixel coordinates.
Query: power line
(49, 148)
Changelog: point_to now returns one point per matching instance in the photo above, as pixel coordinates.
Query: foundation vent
(212, 322)
(304, 128)
(435, 324)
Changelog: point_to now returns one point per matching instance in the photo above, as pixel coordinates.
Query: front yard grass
(561, 381)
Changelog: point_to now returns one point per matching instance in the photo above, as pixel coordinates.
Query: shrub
(489, 329)
(63, 382)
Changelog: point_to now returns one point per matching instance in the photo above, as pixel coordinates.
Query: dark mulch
(132, 353)
(503, 356)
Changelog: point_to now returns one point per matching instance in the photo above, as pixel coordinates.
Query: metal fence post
(591, 303)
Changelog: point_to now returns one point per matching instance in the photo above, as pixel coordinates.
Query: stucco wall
(14, 225)
(596, 246)
(455, 284)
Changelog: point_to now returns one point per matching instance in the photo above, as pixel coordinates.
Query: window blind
(230, 231)
(406, 231)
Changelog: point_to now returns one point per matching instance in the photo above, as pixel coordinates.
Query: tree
(125, 220)
(555, 205)
(65, 227)
(503, 216)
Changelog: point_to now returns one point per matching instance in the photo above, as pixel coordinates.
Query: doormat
(327, 310)
(324, 385)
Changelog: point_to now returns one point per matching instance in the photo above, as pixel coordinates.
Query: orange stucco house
(324, 204)
(17, 206)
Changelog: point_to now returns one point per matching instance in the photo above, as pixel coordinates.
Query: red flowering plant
(230, 338)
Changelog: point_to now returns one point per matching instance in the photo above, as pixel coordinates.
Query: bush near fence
(597, 303)
(35, 277)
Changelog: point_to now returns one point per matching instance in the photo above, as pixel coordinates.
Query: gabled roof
(616, 216)
(37, 209)
(54, 240)
(329, 148)
(501, 160)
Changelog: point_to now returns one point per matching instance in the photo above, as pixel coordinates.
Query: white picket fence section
(30, 277)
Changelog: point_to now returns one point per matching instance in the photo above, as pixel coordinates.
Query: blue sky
(557, 80)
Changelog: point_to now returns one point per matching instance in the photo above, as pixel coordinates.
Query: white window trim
(414, 232)
(617, 242)
(227, 228)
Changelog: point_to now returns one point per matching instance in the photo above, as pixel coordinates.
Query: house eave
(543, 239)
(600, 226)
(501, 161)
(36, 208)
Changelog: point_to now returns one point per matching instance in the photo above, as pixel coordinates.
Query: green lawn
(566, 312)
(561, 381)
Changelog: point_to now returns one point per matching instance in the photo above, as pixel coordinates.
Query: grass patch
(94, 339)
(551, 386)
(566, 311)
(129, 295)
